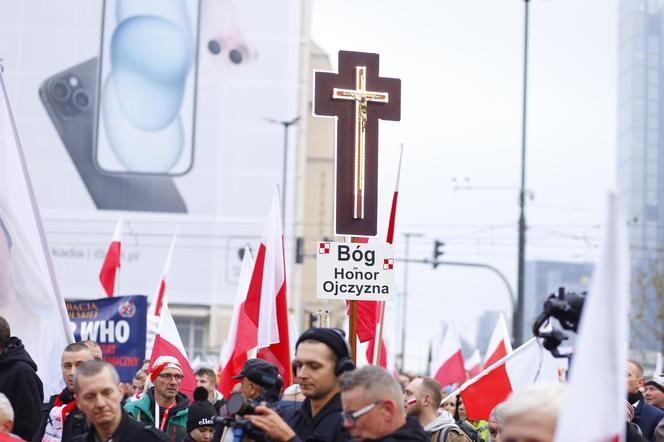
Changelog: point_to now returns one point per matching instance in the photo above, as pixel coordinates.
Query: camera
(566, 307)
(238, 405)
(69, 95)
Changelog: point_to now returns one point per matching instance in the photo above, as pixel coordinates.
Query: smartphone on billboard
(70, 99)
(146, 107)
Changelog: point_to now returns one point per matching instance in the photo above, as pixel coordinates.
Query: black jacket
(130, 430)
(75, 423)
(647, 417)
(411, 431)
(20, 383)
(326, 426)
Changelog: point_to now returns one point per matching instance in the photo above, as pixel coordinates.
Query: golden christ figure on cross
(373, 98)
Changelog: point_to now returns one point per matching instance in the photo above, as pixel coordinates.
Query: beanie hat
(201, 412)
(162, 363)
(332, 337)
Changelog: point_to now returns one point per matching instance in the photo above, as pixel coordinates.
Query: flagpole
(352, 329)
(378, 347)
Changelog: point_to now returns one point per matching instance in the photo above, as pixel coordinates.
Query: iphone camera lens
(81, 99)
(60, 90)
(235, 56)
(214, 47)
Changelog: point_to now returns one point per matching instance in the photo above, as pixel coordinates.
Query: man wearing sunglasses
(163, 405)
(373, 407)
(321, 356)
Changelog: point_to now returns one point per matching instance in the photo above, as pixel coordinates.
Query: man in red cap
(163, 405)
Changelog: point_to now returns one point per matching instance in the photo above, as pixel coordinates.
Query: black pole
(517, 321)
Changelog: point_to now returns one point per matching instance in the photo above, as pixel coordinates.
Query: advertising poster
(117, 325)
(156, 112)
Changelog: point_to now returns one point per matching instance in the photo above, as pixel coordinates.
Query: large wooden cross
(357, 97)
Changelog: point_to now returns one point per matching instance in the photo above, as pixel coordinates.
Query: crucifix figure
(358, 98)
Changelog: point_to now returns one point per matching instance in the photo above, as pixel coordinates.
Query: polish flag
(111, 267)
(30, 299)
(449, 360)
(266, 303)
(168, 343)
(525, 366)
(473, 364)
(159, 297)
(499, 344)
(601, 343)
(241, 333)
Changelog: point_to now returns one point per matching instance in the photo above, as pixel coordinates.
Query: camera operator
(259, 381)
(322, 354)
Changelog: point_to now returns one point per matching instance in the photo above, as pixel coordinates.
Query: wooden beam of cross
(357, 97)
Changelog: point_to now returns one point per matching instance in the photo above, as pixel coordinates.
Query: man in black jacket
(97, 392)
(322, 354)
(20, 383)
(646, 417)
(373, 406)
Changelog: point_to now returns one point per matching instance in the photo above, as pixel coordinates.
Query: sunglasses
(355, 415)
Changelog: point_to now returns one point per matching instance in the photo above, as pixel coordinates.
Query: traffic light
(437, 252)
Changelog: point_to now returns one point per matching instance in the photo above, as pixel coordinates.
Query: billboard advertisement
(156, 112)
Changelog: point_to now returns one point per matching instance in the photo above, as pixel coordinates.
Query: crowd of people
(332, 400)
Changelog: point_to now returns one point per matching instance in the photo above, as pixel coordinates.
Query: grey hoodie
(442, 421)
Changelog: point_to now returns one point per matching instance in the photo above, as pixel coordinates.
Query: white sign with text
(354, 271)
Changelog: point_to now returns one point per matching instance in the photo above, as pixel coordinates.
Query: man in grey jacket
(423, 399)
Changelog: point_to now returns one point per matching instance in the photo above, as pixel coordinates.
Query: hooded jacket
(176, 426)
(444, 424)
(20, 383)
(75, 423)
(410, 431)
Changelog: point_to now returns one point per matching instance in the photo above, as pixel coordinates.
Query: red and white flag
(168, 343)
(473, 363)
(266, 302)
(525, 366)
(449, 362)
(597, 374)
(500, 344)
(30, 299)
(241, 333)
(111, 267)
(159, 297)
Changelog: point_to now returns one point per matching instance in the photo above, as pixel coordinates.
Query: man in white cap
(163, 405)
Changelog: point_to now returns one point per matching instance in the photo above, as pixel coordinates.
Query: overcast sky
(461, 65)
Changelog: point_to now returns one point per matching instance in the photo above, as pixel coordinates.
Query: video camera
(238, 406)
(566, 307)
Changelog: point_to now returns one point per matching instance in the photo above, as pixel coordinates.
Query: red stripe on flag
(393, 216)
(110, 268)
(160, 297)
(279, 354)
(482, 396)
(499, 353)
(252, 305)
(452, 371)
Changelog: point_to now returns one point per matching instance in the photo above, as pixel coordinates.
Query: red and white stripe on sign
(388, 264)
(324, 248)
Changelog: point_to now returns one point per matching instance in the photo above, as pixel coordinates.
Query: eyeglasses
(168, 376)
(354, 416)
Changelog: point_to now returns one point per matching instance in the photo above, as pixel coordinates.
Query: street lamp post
(517, 320)
(286, 124)
(404, 303)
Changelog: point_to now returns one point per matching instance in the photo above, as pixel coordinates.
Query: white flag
(29, 296)
(597, 374)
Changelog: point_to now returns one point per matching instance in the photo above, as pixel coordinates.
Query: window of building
(193, 332)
